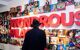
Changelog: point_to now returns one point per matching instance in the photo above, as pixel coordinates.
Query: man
(35, 39)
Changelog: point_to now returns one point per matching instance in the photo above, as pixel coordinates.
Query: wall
(14, 3)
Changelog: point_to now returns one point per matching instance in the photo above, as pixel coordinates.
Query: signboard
(56, 20)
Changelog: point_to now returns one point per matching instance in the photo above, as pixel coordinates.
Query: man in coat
(35, 39)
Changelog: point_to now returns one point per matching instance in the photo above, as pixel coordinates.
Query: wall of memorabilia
(39, 7)
(56, 38)
(63, 37)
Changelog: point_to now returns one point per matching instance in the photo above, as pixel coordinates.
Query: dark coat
(35, 39)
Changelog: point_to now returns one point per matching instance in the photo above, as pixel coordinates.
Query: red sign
(47, 21)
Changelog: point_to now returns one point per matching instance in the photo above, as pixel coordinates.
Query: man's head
(35, 23)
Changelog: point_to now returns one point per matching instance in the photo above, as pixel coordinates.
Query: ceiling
(4, 3)
(7, 0)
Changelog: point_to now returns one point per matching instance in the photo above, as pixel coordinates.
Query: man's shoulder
(33, 30)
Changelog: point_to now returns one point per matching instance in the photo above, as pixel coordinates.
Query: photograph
(77, 5)
(69, 2)
(61, 6)
(53, 7)
(59, 1)
(36, 4)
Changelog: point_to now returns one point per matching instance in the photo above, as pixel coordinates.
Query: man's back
(35, 39)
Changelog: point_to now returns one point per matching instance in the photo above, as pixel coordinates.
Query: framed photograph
(25, 12)
(30, 6)
(53, 7)
(54, 40)
(69, 2)
(46, 8)
(13, 9)
(19, 8)
(5, 22)
(59, 1)
(1, 23)
(36, 10)
(77, 4)
(36, 4)
(53, 1)
(41, 9)
(61, 6)
(26, 6)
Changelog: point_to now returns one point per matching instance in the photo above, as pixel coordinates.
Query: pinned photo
(36, 4)
(19, 8)
(61, 6)
(59, 1)
(46, 8)
(69, 2)
(41, 9)
(53, 7)
(77, 4)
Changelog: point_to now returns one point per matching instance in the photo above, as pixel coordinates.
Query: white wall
(15, 3)
(12, 3)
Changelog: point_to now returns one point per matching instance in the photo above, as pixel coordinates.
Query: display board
(60, 20)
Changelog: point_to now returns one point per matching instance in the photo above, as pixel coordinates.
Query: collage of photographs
(57, 39)
(33, 8)
(63, 39)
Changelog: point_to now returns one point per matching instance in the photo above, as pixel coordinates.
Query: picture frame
(53, 7)
(77, 5)
(36, 4)
(46, 8)
(69, 2)
(13, 9)
(61, 6)
(19, 8)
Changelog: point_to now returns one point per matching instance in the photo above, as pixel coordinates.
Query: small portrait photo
(54, 32)
(12, 9)
(31, 6)
(69, 2)
(53, 1)
(61, 33)
(25, 12)
(59, 1)
(47, 2)
(26, 6)
(41, 9)
(61, 6)
(19, 8)
(46, 8)
(71, 34)
(36, 11)
(53, 7)
(77, 5)
(1, 22)
(36, 4)
(54, 40)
